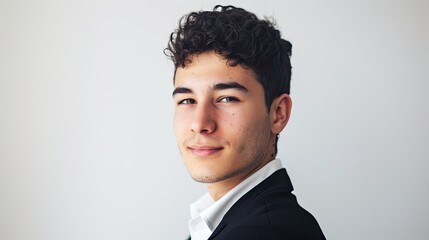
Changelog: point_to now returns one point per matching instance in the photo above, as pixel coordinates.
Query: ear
(280, 112)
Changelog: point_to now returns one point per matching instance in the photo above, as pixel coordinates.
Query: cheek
(232, 121)
(249, 128)
(179, 124)
(242, 121)
(237, 126)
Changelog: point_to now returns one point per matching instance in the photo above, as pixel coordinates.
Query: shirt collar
(206, 213)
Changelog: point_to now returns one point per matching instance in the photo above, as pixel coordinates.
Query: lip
(204, 151)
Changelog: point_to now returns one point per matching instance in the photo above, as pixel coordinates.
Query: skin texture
(222, 126)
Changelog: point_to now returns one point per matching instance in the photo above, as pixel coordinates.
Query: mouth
(204, 151)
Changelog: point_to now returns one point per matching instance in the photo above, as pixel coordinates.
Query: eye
(187, 101)
(228, 99)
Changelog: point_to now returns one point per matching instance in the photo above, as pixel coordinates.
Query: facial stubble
(253, 153)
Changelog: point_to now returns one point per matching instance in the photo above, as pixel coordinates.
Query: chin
(203, 178)
(205, 170)
(205, 175)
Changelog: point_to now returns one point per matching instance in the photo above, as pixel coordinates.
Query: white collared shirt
(206, 213)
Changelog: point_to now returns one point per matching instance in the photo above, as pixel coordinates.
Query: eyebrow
(216, 87)
(230, 85)
(181, 90)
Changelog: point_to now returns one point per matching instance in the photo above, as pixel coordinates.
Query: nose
(203, 120)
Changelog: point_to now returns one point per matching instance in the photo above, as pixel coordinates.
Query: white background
(86, 143)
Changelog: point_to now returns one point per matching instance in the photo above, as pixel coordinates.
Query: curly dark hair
(241, 38)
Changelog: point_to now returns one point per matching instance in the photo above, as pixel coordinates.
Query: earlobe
(280, 112)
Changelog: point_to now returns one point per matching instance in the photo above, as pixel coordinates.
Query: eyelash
(222, 99)
(231, 99)
(189, 100)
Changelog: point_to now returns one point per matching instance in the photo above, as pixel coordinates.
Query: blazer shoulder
(269, 211)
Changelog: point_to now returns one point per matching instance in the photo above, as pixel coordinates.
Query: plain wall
(87, 149)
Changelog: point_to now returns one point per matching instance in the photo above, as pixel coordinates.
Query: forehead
(210, 68)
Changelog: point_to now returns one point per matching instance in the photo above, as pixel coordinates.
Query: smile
(204, 151)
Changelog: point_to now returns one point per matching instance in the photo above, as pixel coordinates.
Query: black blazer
(268, 212)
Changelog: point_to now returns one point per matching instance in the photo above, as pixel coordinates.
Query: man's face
(221, 124)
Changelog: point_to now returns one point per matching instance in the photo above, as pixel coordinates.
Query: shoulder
(268, 232)
(270, 211)
(273, 217)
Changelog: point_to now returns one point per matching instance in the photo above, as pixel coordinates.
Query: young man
(231, 90)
